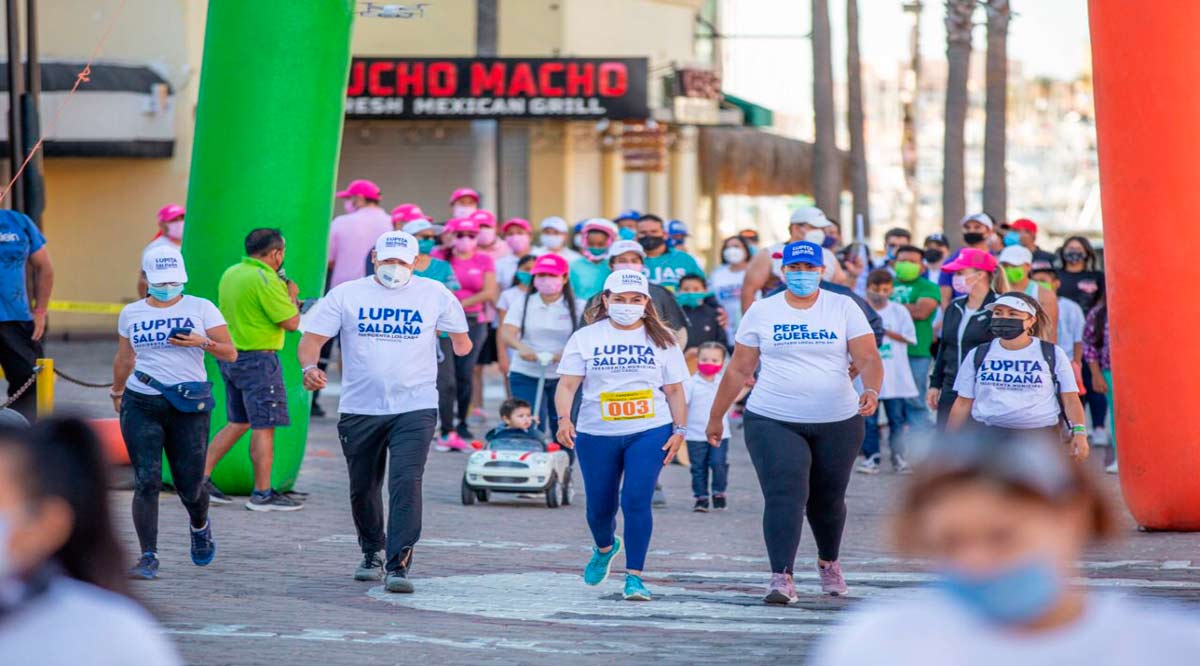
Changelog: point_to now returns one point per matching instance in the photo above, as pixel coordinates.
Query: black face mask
(1007, 328)
(973, 238)
(651, 243)
(934, 255)
(1074, 257)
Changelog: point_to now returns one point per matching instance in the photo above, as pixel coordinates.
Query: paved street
(499, 582)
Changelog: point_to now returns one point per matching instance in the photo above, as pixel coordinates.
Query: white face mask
(552, 241)
(174, 230)
(462, 210)
(815, 236)
(349, 207)
(393, 276)
(626, 313)
(733, 254)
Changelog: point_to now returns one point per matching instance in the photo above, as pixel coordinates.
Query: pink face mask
(518, 243)
(465, 244)
(487, 236)
(348, 206)
(549, 285)
(637, 268)
(709, 369)
(462, 210)
(174, 230)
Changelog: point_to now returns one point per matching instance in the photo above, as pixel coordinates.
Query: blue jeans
(704, 458)
(620, 473)
(916, 410)
(897, 419)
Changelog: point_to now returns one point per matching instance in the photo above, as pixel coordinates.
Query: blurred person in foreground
(63, 594)
(1005, 520)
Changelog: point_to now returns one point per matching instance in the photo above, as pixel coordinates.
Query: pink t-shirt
(470, 274)
(351, 239)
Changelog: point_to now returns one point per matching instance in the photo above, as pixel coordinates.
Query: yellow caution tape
(86, 306)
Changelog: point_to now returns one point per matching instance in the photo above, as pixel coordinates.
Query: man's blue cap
(803, 252)
(579, 227)
(676, 228)
(627, 215)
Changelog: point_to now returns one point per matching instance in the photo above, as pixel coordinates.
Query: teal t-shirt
(587, 277)
(442, 272)
(666, 269)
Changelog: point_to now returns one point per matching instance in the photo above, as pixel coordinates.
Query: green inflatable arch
(268, 131)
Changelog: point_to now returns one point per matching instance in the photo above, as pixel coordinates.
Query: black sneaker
(464, 432)
(701, 505)
(397, 579)
(272, 501)
(371, 568)
(215, 496)
(718, 503)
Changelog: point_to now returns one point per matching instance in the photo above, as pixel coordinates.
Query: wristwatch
(680, 430)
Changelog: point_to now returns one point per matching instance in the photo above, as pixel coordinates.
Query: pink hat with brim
(549, 264)
(170, 212)
(457, 224)
(408, 213)
(363, 188)
(463, 192)
(969, 257)
(484, 218)
(516, 222)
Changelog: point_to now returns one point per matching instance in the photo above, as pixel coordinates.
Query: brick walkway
(500, 581)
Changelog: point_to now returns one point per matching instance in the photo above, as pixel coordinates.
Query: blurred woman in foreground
(1005, 522)
(62, 577)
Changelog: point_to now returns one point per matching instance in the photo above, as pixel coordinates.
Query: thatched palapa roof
(741, 160)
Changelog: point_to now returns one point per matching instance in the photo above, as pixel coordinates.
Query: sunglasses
(464, 234)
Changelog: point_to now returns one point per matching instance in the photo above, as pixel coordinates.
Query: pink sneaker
(451, 442)
(832, 582)
(781, 590)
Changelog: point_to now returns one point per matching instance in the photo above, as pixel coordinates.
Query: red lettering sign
(521, 83)
(544, 73)
(581, 80)
(443, 79)
(410, 78)
(357, 83)
(374, 86)
(614, 79)
(487, 79)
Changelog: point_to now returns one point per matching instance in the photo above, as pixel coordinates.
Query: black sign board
(480, 88)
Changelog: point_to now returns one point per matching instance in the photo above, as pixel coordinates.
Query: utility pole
(16, 149)
(911, 111)
(485, 134)
(34, 186)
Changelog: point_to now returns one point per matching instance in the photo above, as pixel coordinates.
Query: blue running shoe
(635, 590)
(203, 546)
(597, 568)
(146, 567)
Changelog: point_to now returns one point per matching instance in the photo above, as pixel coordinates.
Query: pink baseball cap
(463, 192)
(364, 188)
(457, 224)
(516, 222)
(969, 257)
(549, 264)
(408, 212)
(602, 225)
(170, 212)
(485, 218)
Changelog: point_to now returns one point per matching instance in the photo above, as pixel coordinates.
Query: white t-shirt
(897, 374)
(564, 252)
(1014, 389)
(700, 394)
(76, 623)
(805, 367)
(1071, 322)
(929, 629)
(509, 296)
(389, 341)
(623, 375)
(726, 285)
(547, 329)
(147, 329)
(506, 270)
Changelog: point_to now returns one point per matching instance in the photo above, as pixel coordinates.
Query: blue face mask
(803, 283)
(1012, 238)
(1015, 595)
(829, 243)
(524, 277)
(627, 234)
(164, 292)
(690, 299)
(425, 245)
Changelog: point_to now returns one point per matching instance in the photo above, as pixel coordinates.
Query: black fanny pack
(190, 397)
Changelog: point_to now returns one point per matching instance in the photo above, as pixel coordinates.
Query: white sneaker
(868, 465)
(1099, 435)
(1111, 469)
(901, 466)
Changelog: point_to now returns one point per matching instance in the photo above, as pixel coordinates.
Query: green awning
(755, 115)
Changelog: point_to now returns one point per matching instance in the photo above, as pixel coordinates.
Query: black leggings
(150, 426)
(464, 369)
(803, 469)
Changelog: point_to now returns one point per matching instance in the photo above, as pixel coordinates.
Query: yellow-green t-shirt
(254, 299)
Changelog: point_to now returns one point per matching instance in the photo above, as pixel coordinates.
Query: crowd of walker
(640, 357)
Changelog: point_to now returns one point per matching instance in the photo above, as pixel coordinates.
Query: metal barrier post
(45, 386)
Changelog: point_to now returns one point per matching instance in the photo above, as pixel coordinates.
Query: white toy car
(521, 464)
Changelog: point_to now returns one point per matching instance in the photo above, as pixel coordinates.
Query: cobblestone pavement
(499, 582)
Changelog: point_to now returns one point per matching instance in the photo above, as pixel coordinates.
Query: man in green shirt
(664, 266)
(589, 272)
(259, 304)
(922, 298)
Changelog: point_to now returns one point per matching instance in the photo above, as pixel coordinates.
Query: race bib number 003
(627, 405)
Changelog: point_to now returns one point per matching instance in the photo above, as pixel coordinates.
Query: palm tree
(958, 55)
(859, 184)
(995, 186)
(826, 175)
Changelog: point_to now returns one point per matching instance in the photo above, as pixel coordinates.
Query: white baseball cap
(1015, 255)
(396, 245)
(556, 223)
(164, 264)
(810, 215)
(1014, 302)
(625, 282)
(600, 224)
(416, 226)
(982, 218)
(622, 246)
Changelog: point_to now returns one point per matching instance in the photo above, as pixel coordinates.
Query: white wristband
(305, 369)
(872, 391)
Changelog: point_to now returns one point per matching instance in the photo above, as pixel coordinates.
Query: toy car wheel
(468, 493)
(483, 495)
(566, 489)
(553, 491)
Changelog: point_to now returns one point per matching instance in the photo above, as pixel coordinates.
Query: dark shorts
(254, 390)
(489, 352)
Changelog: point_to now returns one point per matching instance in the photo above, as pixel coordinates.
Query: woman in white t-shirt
(803, 420)
(1005, 522)
(537, 326)
(163, 339)
(1019, 381)
(726, 280)
(633, 409)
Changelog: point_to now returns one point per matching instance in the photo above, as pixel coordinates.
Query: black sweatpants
(151, 427)
(446, 384)
(803, 469)
(398, 444)
(18, 354)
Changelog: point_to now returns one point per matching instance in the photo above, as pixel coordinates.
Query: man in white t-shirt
(805, 224)
(898, 385)
(554, 239)
(389, 325)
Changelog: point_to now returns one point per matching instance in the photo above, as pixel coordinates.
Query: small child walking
(898, 385)
(708, 462)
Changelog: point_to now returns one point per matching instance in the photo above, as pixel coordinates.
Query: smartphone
(179, 332)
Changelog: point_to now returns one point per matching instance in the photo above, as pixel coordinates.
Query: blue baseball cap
(579, 226)
(676, 228)
(803, 252)
(627, 215)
